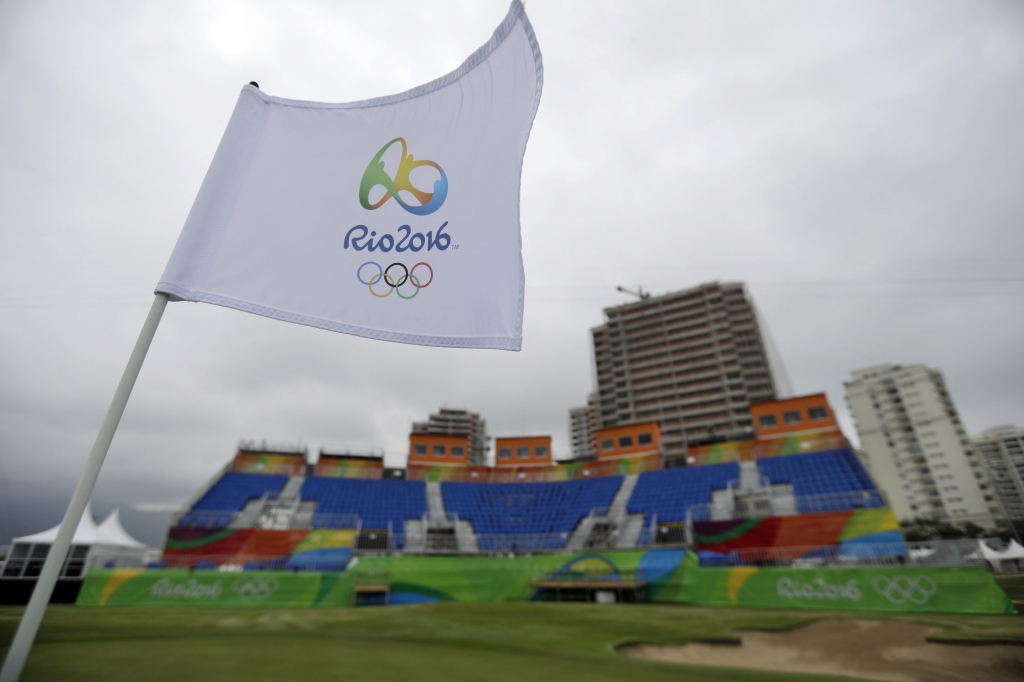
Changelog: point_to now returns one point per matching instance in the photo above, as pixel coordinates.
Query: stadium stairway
(415, 536)
(436, 532)
(290, 491)
(284, 512)
(435, 504)
(624, 528)
(751, 496)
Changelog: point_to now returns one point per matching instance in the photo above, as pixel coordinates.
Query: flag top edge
(515, 13)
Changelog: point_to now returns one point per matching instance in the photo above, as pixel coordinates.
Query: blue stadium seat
(826, 474)
(671, 492)
(547, 511)
(375, 501)
(233, 490)
(230, 494)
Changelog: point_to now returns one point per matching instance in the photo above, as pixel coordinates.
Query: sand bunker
(869, 649)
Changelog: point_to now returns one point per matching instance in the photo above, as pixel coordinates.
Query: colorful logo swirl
(376, 175)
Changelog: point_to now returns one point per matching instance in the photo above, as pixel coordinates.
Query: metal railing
(223, 518)
(568, 577)
(337, 521)
(804, 504)
(206, 518)
(527, 542)
(928, 553)
(236, 562)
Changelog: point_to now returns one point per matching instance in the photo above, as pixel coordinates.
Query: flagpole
(26, 634)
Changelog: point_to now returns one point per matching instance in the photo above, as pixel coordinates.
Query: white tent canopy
(110, 532)
(113, 533)
(1013, 551)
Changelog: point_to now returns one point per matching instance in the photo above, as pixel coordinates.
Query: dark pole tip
(254, 84)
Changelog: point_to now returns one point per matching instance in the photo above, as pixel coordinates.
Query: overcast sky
(859, 164)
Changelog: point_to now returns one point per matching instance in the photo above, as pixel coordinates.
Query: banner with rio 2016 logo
(131, 587)
(903, 589)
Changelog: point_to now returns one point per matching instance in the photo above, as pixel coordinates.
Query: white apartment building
(915, 446)
(1002, 450)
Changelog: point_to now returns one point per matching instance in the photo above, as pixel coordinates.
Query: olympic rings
(415, 283)
(424, 286)
(384, 274)
(917, 590)
(256, 588)
(401, 281)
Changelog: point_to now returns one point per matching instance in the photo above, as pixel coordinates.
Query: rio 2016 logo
(376, 175)
(407, 282)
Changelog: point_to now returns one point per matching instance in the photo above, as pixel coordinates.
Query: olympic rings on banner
(385, 275)
(901, 588)
(255, 588)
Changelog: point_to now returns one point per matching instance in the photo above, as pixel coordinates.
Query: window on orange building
(625, 441)
(420, 448)
(792, 417)
(438, 451)
(504, 453)
(817, 413)
(767, 421)
(523, 452)
(458, 451)
(540, 452)
(607, 444)
(643, 439)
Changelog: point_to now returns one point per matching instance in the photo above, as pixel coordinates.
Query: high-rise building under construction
(692, 360)
(448, 422)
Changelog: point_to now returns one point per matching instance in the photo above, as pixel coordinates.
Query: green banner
(180, 587)
(671, 576)
(902, 589)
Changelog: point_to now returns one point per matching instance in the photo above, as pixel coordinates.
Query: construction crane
(639, 293)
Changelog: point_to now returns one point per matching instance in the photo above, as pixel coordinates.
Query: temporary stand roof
(110, 532)
(1013, 551)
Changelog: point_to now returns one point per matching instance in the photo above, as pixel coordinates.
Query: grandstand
(380, 504)
(251, 519)
(528, 516)
(669, 494)
(229, 495)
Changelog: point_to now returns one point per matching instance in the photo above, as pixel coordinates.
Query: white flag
(395, 218)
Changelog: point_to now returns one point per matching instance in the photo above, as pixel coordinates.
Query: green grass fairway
(521, 642)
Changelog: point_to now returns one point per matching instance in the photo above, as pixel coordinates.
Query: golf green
(525, 642)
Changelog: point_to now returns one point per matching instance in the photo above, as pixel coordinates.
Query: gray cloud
(858, 164)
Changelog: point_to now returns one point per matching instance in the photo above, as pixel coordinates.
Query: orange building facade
(438, 450)
(522, 451)
(793, 416)
(632, 440)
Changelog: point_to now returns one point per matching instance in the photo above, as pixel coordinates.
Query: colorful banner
(349, 467)
(748, 450)
(534, 474)
(671, 576)
(259, 463)
(852, 531)
(187, 546)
